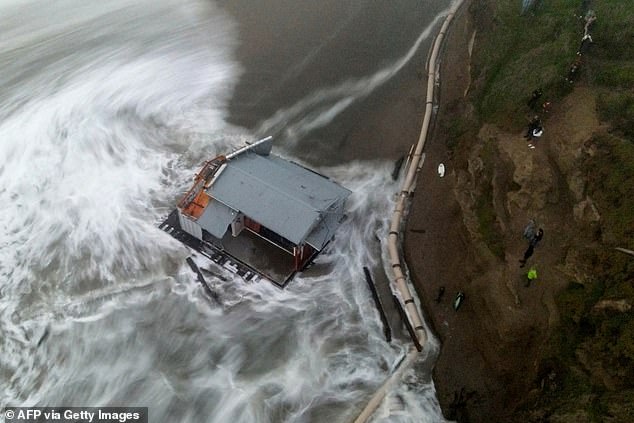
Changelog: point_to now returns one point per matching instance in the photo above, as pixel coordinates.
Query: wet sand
(292, 50)
(436, 243)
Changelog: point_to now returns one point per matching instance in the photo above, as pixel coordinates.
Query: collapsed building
(252, 192)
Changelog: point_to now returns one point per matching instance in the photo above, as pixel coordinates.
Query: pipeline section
(398, 216)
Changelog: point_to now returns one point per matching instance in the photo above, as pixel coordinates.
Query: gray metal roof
(324, 231)
(285, 197)
(216, 218)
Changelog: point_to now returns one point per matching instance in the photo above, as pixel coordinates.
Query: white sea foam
(84, 164)
(108, 108)
(99, 102)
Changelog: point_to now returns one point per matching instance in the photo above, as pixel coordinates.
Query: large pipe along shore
(399, 280)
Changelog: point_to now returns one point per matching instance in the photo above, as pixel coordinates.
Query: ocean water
(107, 109)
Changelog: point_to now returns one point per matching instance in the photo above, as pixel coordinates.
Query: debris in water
(44, 337)
(397, 167)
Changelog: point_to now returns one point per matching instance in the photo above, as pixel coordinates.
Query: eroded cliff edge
(561, 349)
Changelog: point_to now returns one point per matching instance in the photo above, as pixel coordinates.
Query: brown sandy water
(305, 60)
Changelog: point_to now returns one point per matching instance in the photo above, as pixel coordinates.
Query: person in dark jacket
(531, 246)
(534, 127)
(534, 97)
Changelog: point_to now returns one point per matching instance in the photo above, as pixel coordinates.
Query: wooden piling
(377, 301)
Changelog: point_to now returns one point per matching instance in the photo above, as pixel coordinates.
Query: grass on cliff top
(611, 65)
(520, 53)
(517, 54)
(611, 185)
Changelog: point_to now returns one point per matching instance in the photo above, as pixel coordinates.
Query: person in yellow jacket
(531, 276)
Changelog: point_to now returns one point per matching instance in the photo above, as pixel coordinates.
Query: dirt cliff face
(503, 355)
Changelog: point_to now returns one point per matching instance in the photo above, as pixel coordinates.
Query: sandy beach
(436, 242)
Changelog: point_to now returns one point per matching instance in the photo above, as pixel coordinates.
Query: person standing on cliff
(536, 95)
(573, 72)
(530, 276)
(531, 246)
(530, 230)
(534, 128)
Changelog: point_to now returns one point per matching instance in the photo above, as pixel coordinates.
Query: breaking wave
(106, 113)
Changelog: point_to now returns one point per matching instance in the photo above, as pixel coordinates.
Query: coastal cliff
(562, 348)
